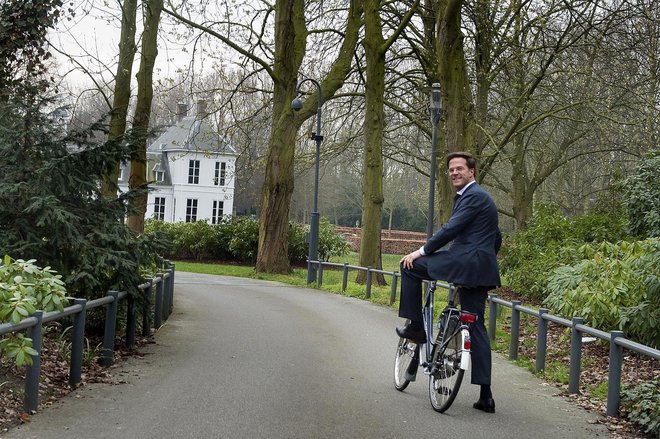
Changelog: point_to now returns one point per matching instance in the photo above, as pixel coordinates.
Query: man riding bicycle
(469, 262)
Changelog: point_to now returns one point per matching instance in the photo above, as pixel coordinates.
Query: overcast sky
(91, 38)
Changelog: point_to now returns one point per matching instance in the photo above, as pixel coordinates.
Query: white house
(191, 171)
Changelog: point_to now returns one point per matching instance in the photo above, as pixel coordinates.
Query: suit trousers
(471, 299)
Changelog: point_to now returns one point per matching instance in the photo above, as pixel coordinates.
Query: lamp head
(436, 97)
(296, 104)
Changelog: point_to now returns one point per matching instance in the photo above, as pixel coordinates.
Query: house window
(160, 176)
(193, 172)
(220, 173)
(218, 207)
(159, 208)
(191, 210)
(121, 173)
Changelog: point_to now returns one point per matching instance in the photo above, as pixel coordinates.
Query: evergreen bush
(642, 197)
(51, 205)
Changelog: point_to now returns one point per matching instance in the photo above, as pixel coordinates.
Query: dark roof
(193, 135)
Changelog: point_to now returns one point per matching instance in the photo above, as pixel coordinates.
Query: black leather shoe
(486, 405)
(412, 335)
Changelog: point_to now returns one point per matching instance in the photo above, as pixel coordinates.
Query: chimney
(201, 109)
(181, 111)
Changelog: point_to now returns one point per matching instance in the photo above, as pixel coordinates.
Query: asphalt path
(242, 358)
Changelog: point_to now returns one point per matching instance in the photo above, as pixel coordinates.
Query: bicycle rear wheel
(446, 375)
(404, 360)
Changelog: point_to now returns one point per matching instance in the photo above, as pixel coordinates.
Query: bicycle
(446, 358)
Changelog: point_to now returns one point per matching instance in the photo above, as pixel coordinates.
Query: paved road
(242, 358)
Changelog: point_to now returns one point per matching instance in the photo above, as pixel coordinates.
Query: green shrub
(166, 232)
(298, 248)
(642, 197)
(237, 238)
(331, 243)
(244, 243)
(527, 258)
(551, 240)
(642, 404)
(612, 286)
(24, 288)
(224, 231)
(599, 227)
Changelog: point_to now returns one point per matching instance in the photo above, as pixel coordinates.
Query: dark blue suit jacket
(470, 260)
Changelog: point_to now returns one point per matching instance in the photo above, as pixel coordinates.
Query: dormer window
(159, 174)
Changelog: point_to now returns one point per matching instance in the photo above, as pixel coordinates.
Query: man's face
(459, 173)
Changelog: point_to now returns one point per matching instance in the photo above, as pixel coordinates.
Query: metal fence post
(146, 305)
(109, 335)
(576, 357)
(492, 316)
(158, 306)
(163, 309)
(344, 282)
(77, 342)
(171, 280)
(319, 277)
(368, 292)
(515, 329)
(130, 321)
(614, 375)
(395, 278)
(33, 371)
(541, 340)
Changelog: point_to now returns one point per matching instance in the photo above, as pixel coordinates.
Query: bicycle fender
(465, 354)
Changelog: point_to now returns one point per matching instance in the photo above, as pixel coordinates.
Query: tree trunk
(138, 177)
(375, 47)
(290, 35)
(483, 66)
(122, 92)
(290, 45)
(374, 125)
(457, 97)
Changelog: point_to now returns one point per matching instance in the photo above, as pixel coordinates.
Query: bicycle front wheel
(446, 373)
(404, 360)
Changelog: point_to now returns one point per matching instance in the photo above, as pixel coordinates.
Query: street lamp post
(296, 104)
(435, 110)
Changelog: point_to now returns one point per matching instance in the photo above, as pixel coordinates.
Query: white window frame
(220, 173)
(159, 208)
(193, 171)
(217, 211)
(191, 210)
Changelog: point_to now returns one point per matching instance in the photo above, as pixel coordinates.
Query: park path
(241, 358)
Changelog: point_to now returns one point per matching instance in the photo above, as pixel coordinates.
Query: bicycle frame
(465, 318)
(447, 355)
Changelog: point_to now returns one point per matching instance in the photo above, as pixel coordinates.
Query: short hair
(469, 158)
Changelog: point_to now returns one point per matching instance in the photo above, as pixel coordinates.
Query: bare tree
(148, 53)
(288, 29)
